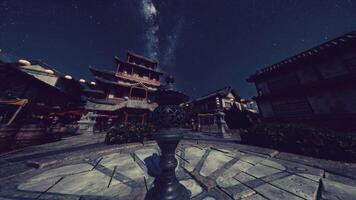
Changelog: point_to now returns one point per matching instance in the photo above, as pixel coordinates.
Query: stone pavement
(210, 170)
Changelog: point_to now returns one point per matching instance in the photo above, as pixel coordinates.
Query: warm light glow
(49, 71)
(68, 77)
(24, 62)
(82, 80)
(93, 83)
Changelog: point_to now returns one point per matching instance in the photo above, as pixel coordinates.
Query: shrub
(129, 132)
(303, 139)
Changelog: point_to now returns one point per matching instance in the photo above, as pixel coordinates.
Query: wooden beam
(14, 115)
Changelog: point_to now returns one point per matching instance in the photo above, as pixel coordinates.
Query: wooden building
(208, 111)
(317, 86)
(45, 89)
(127, 91)
(31, 93)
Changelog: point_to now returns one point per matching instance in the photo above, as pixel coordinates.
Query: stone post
(222, 124)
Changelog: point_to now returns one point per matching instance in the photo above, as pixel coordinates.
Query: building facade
(125, 95)
(45, 90)
(32, 96)
(208, 112)
(317, 86)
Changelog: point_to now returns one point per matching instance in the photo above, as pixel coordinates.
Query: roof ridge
(350, 36)
(142, 57)
(215, 91)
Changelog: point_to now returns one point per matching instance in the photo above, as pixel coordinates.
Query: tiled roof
(339, 42)
(221, 92)
(141, 57)
(118, 60)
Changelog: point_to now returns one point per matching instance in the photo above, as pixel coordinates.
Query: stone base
(85, 127)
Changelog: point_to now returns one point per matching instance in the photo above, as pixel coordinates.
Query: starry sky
(205, 44)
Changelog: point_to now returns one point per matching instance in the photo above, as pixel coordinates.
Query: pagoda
(127, 91)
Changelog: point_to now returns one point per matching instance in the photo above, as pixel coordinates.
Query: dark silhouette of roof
(223, 92)
(141, 57)
(329, 47)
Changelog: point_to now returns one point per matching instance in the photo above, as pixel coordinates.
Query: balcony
(136, 103)
(137, 78)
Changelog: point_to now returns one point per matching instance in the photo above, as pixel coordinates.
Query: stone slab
(261, 171)
(125, 165)
(214, 161)
(254, 197)
(332, 190)
(340, 168)
(272, 192)
(227, 178)
(297, 185)
(192, 186)
(193, 155)
(76, 179)
(93, 183)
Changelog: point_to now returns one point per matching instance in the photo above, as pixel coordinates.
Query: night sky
(205, 44)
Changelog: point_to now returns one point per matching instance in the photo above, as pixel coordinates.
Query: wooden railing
(137, 98)
(138, 78)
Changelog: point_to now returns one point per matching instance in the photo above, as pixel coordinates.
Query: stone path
(210, 171)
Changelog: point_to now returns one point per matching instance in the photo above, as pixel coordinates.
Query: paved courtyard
(89, 169)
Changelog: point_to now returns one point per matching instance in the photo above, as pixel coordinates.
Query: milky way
(205, 44)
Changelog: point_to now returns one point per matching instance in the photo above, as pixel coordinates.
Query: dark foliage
(303, 139)
(130, 132)
(237, 119)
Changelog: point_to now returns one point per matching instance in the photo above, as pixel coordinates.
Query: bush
(303, 139)
(129, 132)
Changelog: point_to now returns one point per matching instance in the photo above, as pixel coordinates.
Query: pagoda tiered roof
(112, 76)
(119, 61)
(151, 62)
(97, 71)
(121, 83)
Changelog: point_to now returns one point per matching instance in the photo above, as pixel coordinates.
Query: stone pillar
(193, 125)
(198, 125)
(222, 124)
(86, 123)
(109, 122)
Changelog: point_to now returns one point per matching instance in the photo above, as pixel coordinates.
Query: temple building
(317, 86)
(125, 95)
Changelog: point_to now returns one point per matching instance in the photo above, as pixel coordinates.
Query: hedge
(303, 139)
(129, 132)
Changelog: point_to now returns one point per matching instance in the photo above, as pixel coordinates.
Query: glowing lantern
(82, 80)
(68, 77)
(24, 62)
(48, 71)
